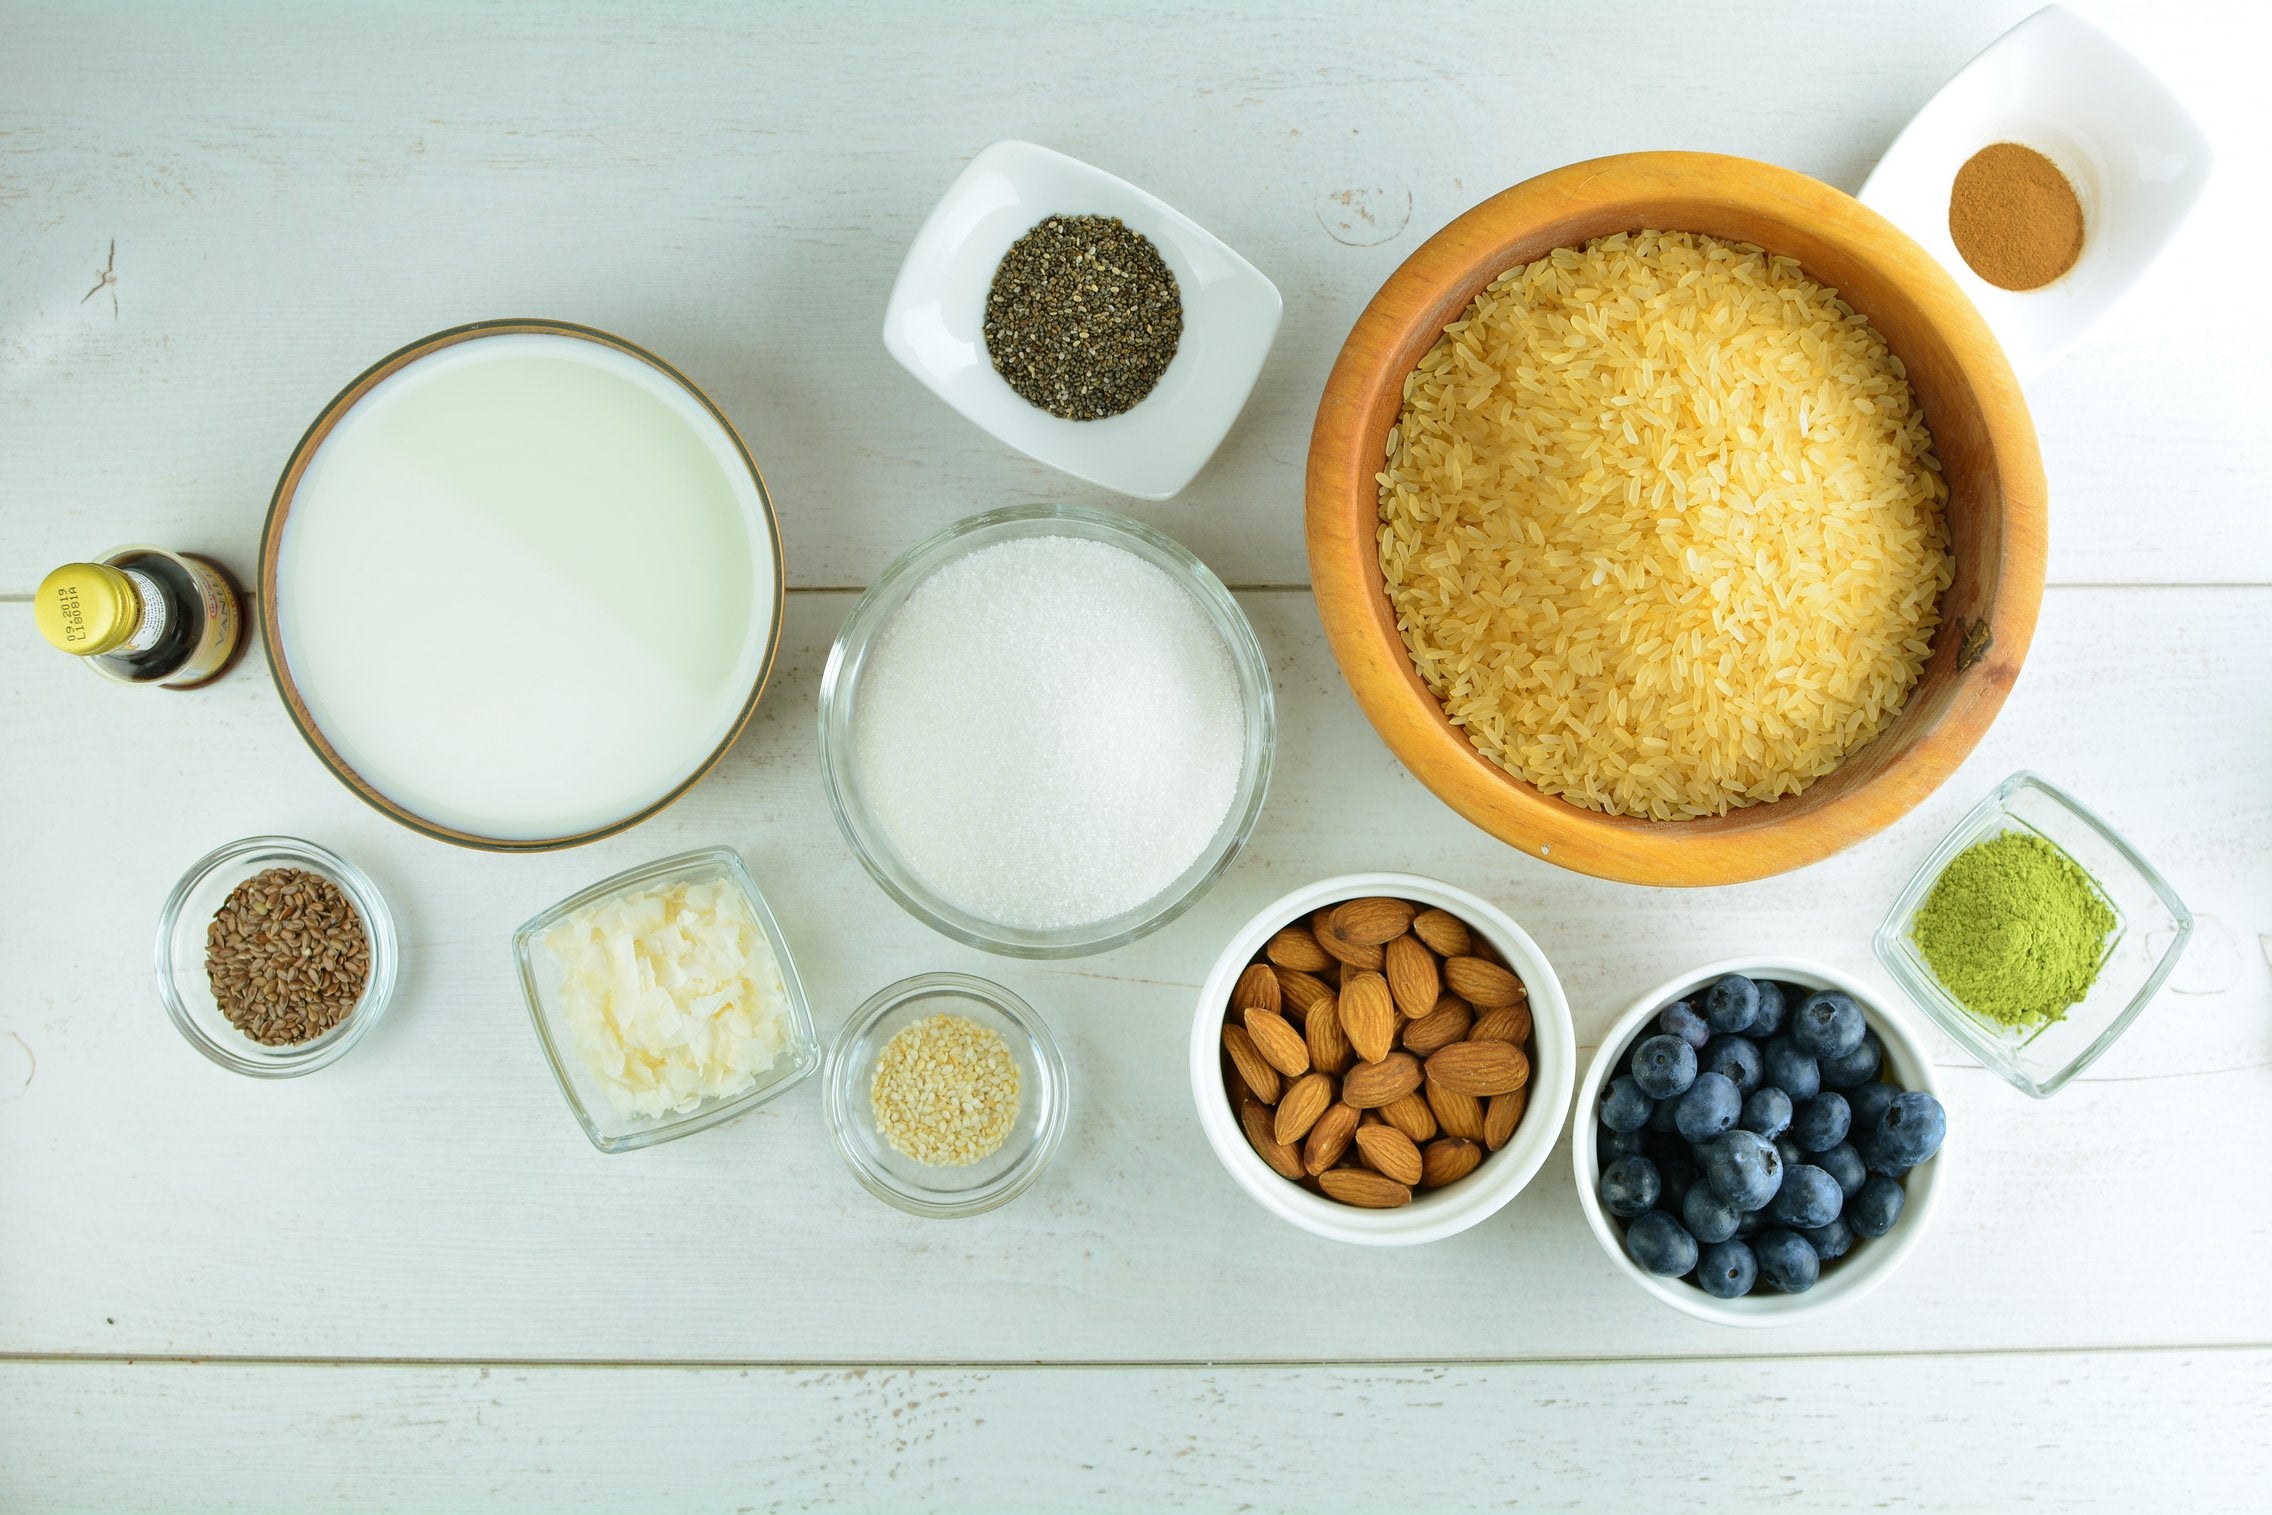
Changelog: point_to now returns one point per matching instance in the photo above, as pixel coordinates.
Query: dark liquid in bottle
(185, 620)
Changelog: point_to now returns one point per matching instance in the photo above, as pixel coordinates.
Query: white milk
(525, 586)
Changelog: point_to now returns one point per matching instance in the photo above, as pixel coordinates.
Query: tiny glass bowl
(2151, 928)
(839, 717)
(188, 993)
(945, 1193)
(609, 1129)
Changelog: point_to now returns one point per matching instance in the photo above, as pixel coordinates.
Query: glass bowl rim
(1258, 707)
(1015, 1180)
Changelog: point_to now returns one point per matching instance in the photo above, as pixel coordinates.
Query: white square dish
(935, 323)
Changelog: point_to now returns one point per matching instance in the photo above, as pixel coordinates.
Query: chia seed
(1083, 317)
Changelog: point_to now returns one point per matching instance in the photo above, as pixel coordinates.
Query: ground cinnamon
(2015, 217)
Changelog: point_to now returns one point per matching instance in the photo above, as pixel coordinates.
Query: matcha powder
(2015, 929)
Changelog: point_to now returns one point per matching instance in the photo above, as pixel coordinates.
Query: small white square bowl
(935, 324)
(2135, 157)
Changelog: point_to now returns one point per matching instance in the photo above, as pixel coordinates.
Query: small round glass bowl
(945, 1193)
(188, 995)
(839, 715)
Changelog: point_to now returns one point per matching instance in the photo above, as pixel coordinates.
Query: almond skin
(1412, 975)
(1369, 1086)
(1306, 1099)
(1390, 1152)
(1328, 1140)
(1410, 1115)
(1368, 1016)
(1281, 1046)
(1301, 991)
(1508, 1023)
(1295, 948)
(1446, 1024)
(1345, 949)
(1257, 989)
(1480, 1069)
(1445, 933)
(1485, 985)
(1370, 922)
(1255, 1117)
(1330, 1051)
(1253, 1068)
(1447, 1161)
(1364, 1189)
(1458, 1114)
(1502, 1115)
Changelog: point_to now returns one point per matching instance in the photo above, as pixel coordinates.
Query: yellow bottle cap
(86, 608)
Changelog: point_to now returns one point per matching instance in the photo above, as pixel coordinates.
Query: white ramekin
(1843, 1282)
(1437, 1213)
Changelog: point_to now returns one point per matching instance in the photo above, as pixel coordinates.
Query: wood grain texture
(2074, 1432)
(1983, 436)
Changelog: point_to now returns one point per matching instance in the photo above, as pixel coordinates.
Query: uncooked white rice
(1661, 524)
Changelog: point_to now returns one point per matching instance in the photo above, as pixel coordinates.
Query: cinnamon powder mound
(2015, 217)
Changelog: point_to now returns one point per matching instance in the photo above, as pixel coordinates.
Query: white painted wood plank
(2075, 1433)
(430, 1197)
(294, 192)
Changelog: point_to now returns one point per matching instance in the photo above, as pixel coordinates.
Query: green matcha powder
(2015, 929)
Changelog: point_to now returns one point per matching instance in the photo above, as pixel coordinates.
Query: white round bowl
(1843, 1282)
(1436, 1213)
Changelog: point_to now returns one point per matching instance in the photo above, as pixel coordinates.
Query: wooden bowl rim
(271, 545)
(1753, 842)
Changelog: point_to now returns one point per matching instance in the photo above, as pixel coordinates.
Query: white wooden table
(407, 1282)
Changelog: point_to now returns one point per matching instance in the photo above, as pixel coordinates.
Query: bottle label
(222, 625)
(157, 614)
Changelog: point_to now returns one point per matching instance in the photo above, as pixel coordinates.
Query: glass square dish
(612, 1130)
(2151, 928)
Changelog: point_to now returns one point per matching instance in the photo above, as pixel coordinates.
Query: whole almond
(1257, 989)
(1412, 976)
(1502, 1115)
(1365, 1189)
(1410, 1115)
(1508, 1023)
(1369, 1086)
(1480, 1069)
(1253, 1068)
(1294, 947)
(1370, 922)
(1368, 1016)
(1445, 933)
(1446, 1024)
(1390, 1152)
(1328, 1140)
(1485, 985)
(1458, 1114)
(1447, 1161)
(1344, 949)
(1301, 990)
(1255, 1117)
(1329, 1047)
(1281, 1046)
(1306, 1099)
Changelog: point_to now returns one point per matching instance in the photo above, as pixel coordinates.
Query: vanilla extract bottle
(143, 615)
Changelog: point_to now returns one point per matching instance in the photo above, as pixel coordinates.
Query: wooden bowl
(1981, 433)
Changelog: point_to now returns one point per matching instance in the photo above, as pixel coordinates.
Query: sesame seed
(945, 1091)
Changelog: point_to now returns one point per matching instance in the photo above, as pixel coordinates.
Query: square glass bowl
(935, 324)
(609, 1129)
(2151, 928)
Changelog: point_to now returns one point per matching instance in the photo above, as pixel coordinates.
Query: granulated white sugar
(1049, 731)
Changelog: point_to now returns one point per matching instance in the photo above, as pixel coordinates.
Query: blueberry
(1868, 1102)
(1742, 1169)
(1629, 1186)
(1680, 1019)
(1735, 1058)
(1710, 1106)
(1613, 1145)
(1625, 1107)
(1749, 1224)
(1831, 1242)
(1680, 1174)
(1821, 1123)
(1794, 1072)
(1856, 1067)
(1727, 1270)
(1661, 1244)
(1788, 1150)
(1775, 1003)
(1786, 1261)
(1809, 1198)
(1845, 1164)
(1767, 1110)
(1908, 1133)
(1661, 1118)
(1732, 1003)
(1709, 1217)
(1873, 1211)
(1828, 1024)
(1664, 1066)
